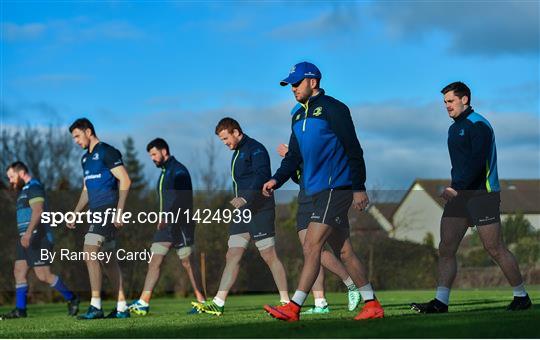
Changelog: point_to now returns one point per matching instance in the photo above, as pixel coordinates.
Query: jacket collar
(464, 114)
(242, 141)
(168, 162)
(314, 98)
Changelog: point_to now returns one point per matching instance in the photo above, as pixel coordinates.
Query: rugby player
(105, 186)
(250, 168)
(472, 199)
(328, 259)
(324, 141)
(34, 236)
(175, 192)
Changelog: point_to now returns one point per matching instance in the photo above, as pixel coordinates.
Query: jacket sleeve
(296, 177)
(341, 123)
(260, 162)
(289, 164)
(481, 138)
(183, 193)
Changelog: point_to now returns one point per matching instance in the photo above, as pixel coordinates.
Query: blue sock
(21, 292)
(62, 289)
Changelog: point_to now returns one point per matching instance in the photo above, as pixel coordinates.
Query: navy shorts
(331, 207)
(32, 254)
(178, 236)
(107, 229)
(305, 210)
(260, 227)
(478, 209)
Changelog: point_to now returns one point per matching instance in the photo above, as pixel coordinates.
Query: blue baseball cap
(300, 71)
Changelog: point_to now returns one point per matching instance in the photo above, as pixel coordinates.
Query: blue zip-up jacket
(471, 144)
(250, 169)
(323, 139)
(101, 184)
(175, 190)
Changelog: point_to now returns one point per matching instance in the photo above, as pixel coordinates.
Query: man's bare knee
(20, 269)
(90, 250)
(90, 261)
(19, 274)
(311, 249)
(156, 261)
(269, 255)
(43, 273)
(346, 255)
(446, 249)
(327, 254)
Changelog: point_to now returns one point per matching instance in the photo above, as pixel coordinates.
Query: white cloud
(72, 30)
(51, 79)
(333, 22)
(470, 28)
(17, 32)
(476, 27)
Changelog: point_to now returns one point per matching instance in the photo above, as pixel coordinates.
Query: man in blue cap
(328, 258)
(323, 139)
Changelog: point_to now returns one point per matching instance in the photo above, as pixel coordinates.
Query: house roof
(363, 222)
(517, 195)
(387, 209)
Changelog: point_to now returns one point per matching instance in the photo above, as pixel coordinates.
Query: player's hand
(71, 225)
(268, 187)
(160, 226)
(25, 240)
(238, 202)
(449, 193)
(282, 149)
(360, 200)
(119, 220)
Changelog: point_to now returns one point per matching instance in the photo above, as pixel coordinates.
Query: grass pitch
(473, 314)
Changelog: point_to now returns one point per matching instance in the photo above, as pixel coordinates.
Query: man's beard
(18, 186)
(159, 163)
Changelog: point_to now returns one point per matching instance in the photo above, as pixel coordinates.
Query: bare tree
(208, 175)
(49, 154)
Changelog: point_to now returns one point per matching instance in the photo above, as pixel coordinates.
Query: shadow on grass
(482, 323)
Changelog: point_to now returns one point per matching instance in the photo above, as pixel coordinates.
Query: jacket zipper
(161, 178)
(306, 108)
(235, 185)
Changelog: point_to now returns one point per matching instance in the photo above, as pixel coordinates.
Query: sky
(173, 69)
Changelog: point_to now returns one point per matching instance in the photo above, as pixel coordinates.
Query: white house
(419, 212)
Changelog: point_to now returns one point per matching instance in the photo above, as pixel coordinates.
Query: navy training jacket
(250, 169)
(323, 138)
(175, 190)
(471, 144)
